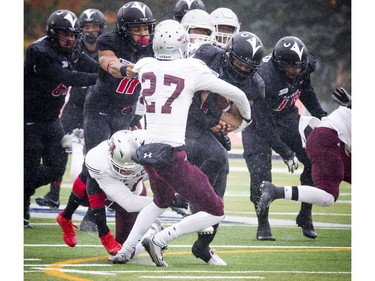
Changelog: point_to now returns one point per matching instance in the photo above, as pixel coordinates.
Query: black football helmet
(291, 51)
(246, 48)
(93, 16)
(183, 6)
(135, 13)
(63, 21)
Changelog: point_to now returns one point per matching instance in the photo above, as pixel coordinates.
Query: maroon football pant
(188, 181)
(331, 163)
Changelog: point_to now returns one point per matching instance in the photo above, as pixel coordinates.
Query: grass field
(290, 257)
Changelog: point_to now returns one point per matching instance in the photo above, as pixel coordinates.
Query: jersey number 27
(169, 80)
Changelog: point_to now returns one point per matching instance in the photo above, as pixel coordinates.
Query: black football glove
(224, 140)
(341, 96)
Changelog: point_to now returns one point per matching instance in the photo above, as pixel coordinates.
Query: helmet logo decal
(69, 17)
(189, 2)
(295, 48)
(89, 13)
(147, 155)
(140, 6)
(253, 43)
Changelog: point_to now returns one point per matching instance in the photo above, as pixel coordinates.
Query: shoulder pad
(142, 62)
(208, 52)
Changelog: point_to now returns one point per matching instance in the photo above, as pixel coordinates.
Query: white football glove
(292, 163)
(244, 123)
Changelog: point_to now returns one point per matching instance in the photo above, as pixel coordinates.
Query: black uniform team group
(156, 101)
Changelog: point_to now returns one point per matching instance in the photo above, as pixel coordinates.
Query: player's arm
(110, 63)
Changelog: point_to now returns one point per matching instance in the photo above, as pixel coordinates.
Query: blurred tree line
(323, 25)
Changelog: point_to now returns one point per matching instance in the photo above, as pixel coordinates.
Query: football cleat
(118, 259)
(46, 201)
(26, 224)
(268, 195)
(264, 232)
(66, 225)
(305, 222)
(264, 235)
(156, 226)
(216, 260)
(155, 251)
(202, 251)
(88, 224)
(110, 244)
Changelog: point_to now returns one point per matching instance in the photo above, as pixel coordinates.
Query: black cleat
(264, 234)
(268, 195)
(307, 226)
(88, 223)
(26, 224)
(46, 201)
(204, 253)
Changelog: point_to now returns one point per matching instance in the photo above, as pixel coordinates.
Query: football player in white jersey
(226, 24)
(199, 28)
(121, 179)
(168, 86)
(328, 147)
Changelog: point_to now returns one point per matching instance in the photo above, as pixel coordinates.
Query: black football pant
(44, 157)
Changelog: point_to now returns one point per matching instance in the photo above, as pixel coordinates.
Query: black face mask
(234, 73)
(90, 37)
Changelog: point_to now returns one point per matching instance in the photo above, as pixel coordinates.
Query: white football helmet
(224, 17)
(170, 41)
(122, 146)
(198, 19)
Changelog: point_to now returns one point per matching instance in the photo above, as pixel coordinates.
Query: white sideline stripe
(293, 214)
(274, 170)
(78, 271)
(189, 246)
(201, 271)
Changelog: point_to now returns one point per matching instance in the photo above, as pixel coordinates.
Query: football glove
(341, 96)
(292, 163)
(224, 140)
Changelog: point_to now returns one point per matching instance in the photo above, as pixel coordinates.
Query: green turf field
(290, 257)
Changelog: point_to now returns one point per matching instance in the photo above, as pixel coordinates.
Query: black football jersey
(281, 95)
(110, 93)
(254, 89)
(78, 94)
(47, 76)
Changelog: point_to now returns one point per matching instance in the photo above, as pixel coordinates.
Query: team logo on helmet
(69, 18)
(139, 6)
(89, 13)
(295, 48)
(183, 39)
(189, 2)
(253, 43)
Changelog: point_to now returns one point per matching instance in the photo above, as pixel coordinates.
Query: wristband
(123, 70)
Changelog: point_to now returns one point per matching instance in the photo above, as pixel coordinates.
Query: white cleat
(155, 251)
(216, 260)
